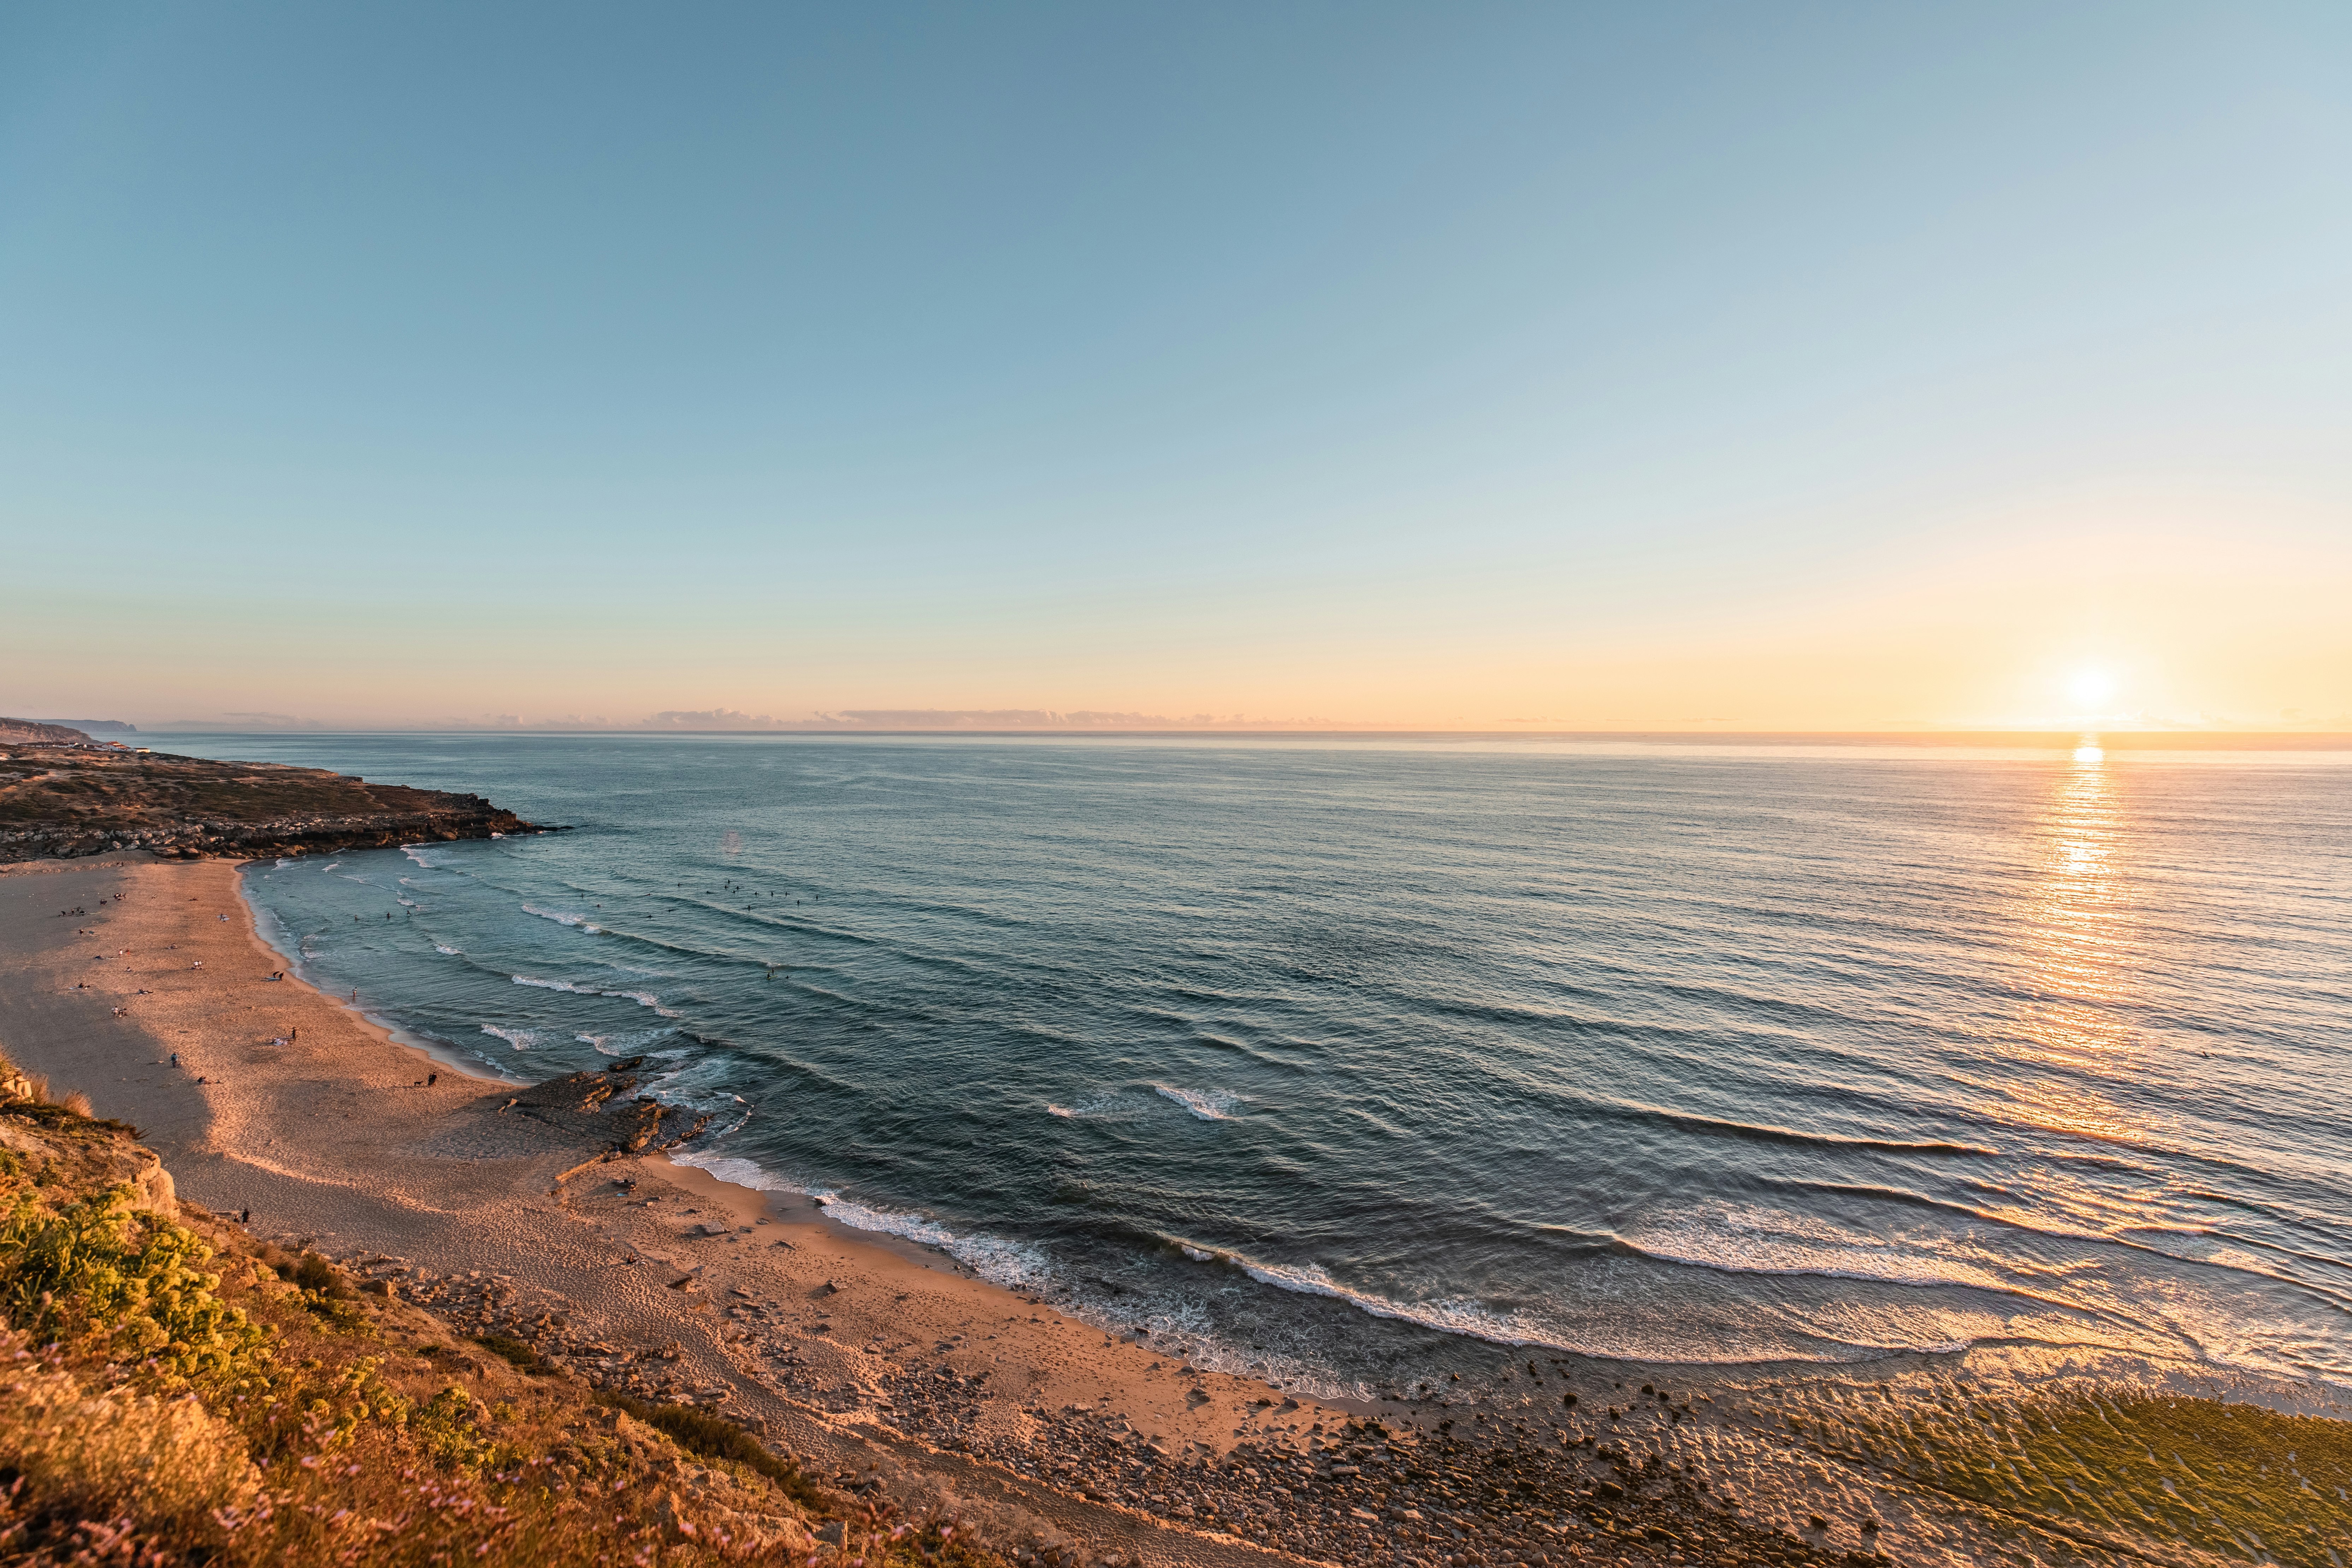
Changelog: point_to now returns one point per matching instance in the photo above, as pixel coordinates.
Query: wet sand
(869, 1354)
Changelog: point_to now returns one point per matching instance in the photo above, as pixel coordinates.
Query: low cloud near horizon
(709, 721)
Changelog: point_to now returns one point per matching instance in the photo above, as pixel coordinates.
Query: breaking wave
(1000, 1261)
(1208, 1104)
(641, 998)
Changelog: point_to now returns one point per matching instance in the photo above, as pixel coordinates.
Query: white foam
(273, 932)
(450, 951)
(1208, 1104)
(999, 1261)
(1473, 1320)
(520, 1039)
(734, 1171)
(641, 998)
(1453, 1317)
(622, 1044)
(412, 852)
(1101, 1108)
(562, 917)
(1752, 1238)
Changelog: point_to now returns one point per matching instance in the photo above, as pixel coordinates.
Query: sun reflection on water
(2077, 938)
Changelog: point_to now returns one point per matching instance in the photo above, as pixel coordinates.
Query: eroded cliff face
(73, 1150)
(66, 801)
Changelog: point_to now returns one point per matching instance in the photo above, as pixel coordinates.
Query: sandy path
(292, 1105)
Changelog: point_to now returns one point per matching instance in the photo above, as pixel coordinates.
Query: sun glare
(2090, 688)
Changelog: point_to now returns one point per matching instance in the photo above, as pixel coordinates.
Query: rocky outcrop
(95, 1154)
(62, 801)
(605, 1109)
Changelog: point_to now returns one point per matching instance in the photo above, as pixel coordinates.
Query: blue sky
(1581, 365)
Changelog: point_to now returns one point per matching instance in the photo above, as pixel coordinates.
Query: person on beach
(176, 1059)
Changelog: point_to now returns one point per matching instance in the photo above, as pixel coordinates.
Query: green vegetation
(699, 1432)
(124, 1286)
(521, 1355)
(172, 1392)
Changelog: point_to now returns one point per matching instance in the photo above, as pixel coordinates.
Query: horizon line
(1980, 737)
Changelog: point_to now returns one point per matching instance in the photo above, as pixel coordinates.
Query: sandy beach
(143, 984)
(333, 1139)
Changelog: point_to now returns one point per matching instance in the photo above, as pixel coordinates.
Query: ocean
(1356, 1065)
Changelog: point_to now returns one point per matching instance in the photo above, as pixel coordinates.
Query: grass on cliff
(171, 1392)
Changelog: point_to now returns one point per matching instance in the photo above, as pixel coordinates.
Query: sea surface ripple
(1341, 1057)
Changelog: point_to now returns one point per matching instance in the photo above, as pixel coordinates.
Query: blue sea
(1357, 1062)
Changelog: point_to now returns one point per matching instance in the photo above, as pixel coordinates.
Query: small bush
(520, 1355)
(715, 1437)
(87, 1273)
(315, 1273)
(170, 1462)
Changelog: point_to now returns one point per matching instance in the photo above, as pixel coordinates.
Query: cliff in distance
(60, 800)
(40, 733)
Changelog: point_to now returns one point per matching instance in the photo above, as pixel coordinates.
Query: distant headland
(64, 794)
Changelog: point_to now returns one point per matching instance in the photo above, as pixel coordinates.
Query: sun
(2090, 688)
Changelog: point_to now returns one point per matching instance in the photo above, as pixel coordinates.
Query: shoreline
(442, 1059)
(862, 1348)
(334, 1140)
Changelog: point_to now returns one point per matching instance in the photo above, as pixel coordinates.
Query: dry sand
(333, 1139)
